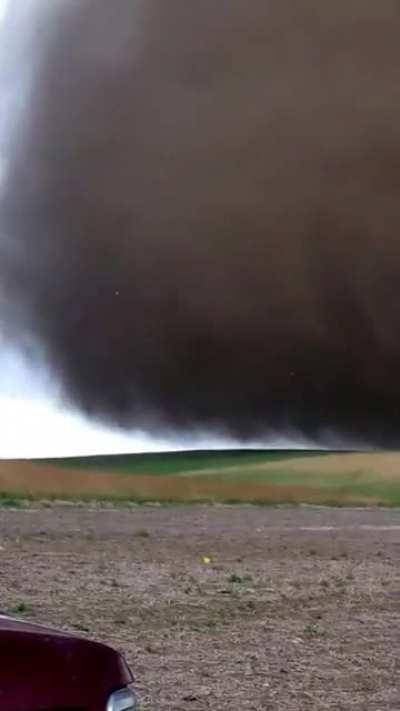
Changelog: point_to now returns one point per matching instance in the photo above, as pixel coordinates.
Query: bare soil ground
(297, 609)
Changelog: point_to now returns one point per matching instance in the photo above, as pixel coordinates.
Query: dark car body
(42, 669)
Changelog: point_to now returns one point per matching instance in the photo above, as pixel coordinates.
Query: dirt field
(298, 609)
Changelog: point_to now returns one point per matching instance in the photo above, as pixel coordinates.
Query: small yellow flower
(206, 560)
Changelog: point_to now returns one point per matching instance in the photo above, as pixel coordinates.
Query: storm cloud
(200, 221)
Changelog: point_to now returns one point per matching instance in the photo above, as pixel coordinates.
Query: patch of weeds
(81, 628)
(195, 627)
(247, 606)
(9, 501)
(236, 579)
(142, 533)
(312, 630)
(150, 649)
(211, 624)
(21, 608)
(341, 587)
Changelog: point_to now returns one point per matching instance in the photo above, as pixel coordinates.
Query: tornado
(200, 213)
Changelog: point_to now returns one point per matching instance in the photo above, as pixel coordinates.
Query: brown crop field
(263, 477)
(220, 607)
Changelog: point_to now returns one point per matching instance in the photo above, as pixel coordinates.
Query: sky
(3, 9)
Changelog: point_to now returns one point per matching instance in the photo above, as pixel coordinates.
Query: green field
(179, 463)
(229, 476)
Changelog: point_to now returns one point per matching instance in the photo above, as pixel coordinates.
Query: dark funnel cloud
(203, 214)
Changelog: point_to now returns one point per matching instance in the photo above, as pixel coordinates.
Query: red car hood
(44, 669)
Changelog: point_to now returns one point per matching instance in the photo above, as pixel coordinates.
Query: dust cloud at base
(199, 220)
